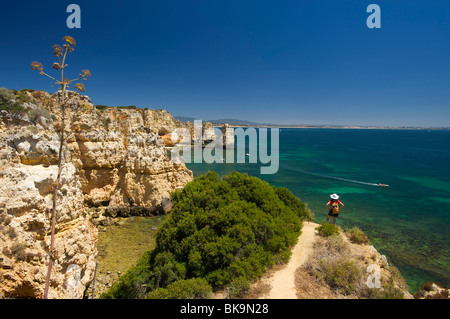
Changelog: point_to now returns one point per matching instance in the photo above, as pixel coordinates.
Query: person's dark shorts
(330, 213)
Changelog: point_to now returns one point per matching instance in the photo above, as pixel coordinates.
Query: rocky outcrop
(114, 158)
(25, 201)
(124, 164)
(228, 136)
(432, 290)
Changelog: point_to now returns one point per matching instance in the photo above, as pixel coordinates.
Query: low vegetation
(357, 236)
(336, 264)
(36, 113)
(12, 101)
(195, 288)
(128, 107)
(331, 264)
(102, 107)
(8, 102)
(326, 230)
(222, 234)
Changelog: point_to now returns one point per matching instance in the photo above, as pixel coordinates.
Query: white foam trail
(343, 179)
(338, 178)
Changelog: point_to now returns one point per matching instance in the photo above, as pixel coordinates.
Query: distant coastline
(336, 127)
(245, 123)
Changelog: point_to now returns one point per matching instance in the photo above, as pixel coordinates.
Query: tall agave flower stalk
(61, 53)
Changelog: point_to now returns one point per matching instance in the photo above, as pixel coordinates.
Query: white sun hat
(334, 196)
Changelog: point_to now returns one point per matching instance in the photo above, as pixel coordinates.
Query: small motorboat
(383, 185)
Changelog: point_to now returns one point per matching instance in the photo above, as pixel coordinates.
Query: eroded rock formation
(112, 157)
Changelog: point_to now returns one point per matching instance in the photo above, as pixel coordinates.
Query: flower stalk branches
(60, 52)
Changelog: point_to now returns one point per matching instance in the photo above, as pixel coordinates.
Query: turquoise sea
(409, 222)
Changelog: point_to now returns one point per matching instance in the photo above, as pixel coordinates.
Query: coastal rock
(160, 121)
(126, 168)
(113, 158)
(228, 136)
(26, 201)
(432, 290)
(201, 132)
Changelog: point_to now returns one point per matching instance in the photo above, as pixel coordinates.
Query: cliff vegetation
(221, 234)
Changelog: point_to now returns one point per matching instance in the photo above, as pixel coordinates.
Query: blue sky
(286, 62)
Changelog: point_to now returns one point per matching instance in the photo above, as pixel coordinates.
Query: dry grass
(308, 287)
(338, 269)
(332, 265)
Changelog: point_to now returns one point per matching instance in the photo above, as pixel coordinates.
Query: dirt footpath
(282, 282)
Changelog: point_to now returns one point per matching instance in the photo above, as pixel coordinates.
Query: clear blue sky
(287, 62)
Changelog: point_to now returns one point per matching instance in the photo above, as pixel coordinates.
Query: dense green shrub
(227, 231)
(238, 287)
(291, 201)
(357, 236)
(195, 288)
(327, 230)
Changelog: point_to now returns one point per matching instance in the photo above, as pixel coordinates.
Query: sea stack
(228, 136)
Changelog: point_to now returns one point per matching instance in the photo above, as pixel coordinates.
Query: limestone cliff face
(123, 161)
(112, 157)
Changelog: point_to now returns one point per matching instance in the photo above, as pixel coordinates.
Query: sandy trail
(282, 282)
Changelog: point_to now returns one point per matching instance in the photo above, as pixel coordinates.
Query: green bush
(195, 288)
(297, 206)
(238, 287)
(227, 231)
(327, 230)
(357, 236)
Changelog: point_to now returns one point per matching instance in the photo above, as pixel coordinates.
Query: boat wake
(344, 179)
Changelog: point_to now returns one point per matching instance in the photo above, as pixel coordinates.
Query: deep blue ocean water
(409, 222)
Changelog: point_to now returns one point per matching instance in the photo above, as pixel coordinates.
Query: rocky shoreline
(116, 166)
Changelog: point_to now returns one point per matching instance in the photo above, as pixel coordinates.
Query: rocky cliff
(115, 158)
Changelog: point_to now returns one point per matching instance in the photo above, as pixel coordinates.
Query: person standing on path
(335, 206)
